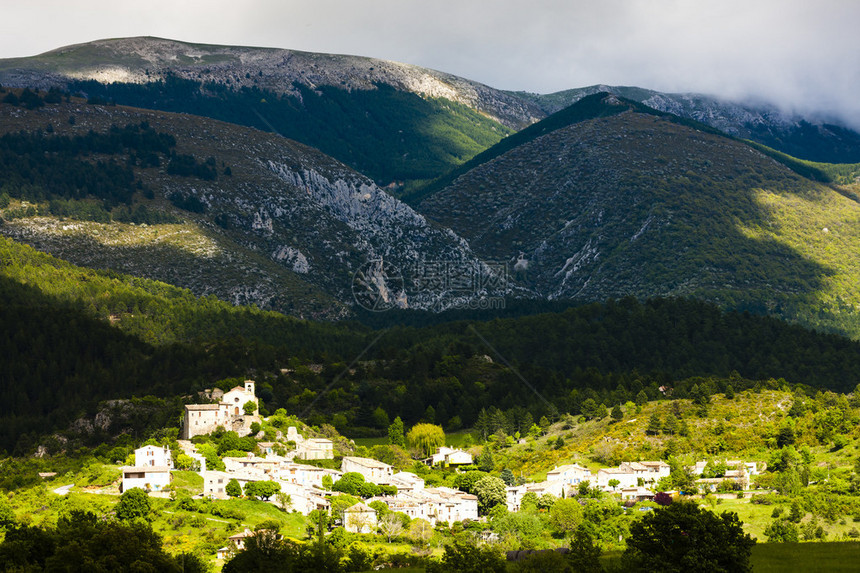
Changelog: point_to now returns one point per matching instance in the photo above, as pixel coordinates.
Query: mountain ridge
(281, 69)
(638, 203)
(297, 76)
(814, 137)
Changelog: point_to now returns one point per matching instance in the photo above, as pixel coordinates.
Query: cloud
(799, 54)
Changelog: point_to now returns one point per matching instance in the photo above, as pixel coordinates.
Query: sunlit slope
(217, 208)
(393, 122)
(641, 204)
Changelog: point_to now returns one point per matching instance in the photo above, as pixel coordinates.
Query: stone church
(229, 413)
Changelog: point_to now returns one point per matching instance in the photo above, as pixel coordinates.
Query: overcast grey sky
(797, 53)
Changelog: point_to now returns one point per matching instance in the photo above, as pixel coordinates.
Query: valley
(358, 314)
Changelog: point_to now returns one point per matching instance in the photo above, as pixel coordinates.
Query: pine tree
(654, 425)
(485, 460)
(396, 436)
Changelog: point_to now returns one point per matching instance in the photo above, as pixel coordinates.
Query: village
(303, 487)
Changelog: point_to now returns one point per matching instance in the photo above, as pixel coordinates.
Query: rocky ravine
(296, 229)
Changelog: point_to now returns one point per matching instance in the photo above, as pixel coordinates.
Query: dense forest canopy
(166, 342)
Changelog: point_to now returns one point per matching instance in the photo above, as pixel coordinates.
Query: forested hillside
(101, 335)
(390, 135)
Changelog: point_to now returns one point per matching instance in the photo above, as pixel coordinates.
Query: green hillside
(387, 134)
(641, 203)
(141, 336)
(72, 337)
(591, 107)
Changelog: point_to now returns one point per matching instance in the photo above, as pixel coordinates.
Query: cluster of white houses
(237, 409)
(631, 479)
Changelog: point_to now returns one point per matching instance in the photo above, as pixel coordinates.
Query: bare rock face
(290, 230)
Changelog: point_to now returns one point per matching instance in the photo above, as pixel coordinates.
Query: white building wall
(151, 478)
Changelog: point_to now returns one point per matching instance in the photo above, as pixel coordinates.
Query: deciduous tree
(685, 537)
(490, 491)
(425, 438)
(233, 489)
(133, 504)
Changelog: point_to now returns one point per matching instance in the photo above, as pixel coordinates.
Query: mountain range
(582, 195)
(418, 122)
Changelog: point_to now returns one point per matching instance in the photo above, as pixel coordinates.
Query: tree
(327, 482)
(565, 515)
(349, 483)
(249, 407)
(535, 431)
(133, 504)
(395, 433)
(465, 557)
(584, 553)
(654, 425)
(425, 438)
(613, 483)
(681, 478)
(617, 413)
(485, 460)
(546, 502)
(81, 542)
(390, 525)
(507, 476)
(262, 490)
(420, 530)
(670, 426)
(466, 481)
(380, 418)
(7, 514)
(685, 537)
(233, 489)
(785, 436)
(529, 502)
(782, 531)
(490, 491)
(588, 408)
(285, 500)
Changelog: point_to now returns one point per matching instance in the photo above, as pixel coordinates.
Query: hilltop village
(298, 476)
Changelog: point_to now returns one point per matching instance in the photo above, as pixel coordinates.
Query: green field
(453, 439)
(806, 557)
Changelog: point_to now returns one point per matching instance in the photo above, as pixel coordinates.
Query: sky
(798, 54)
